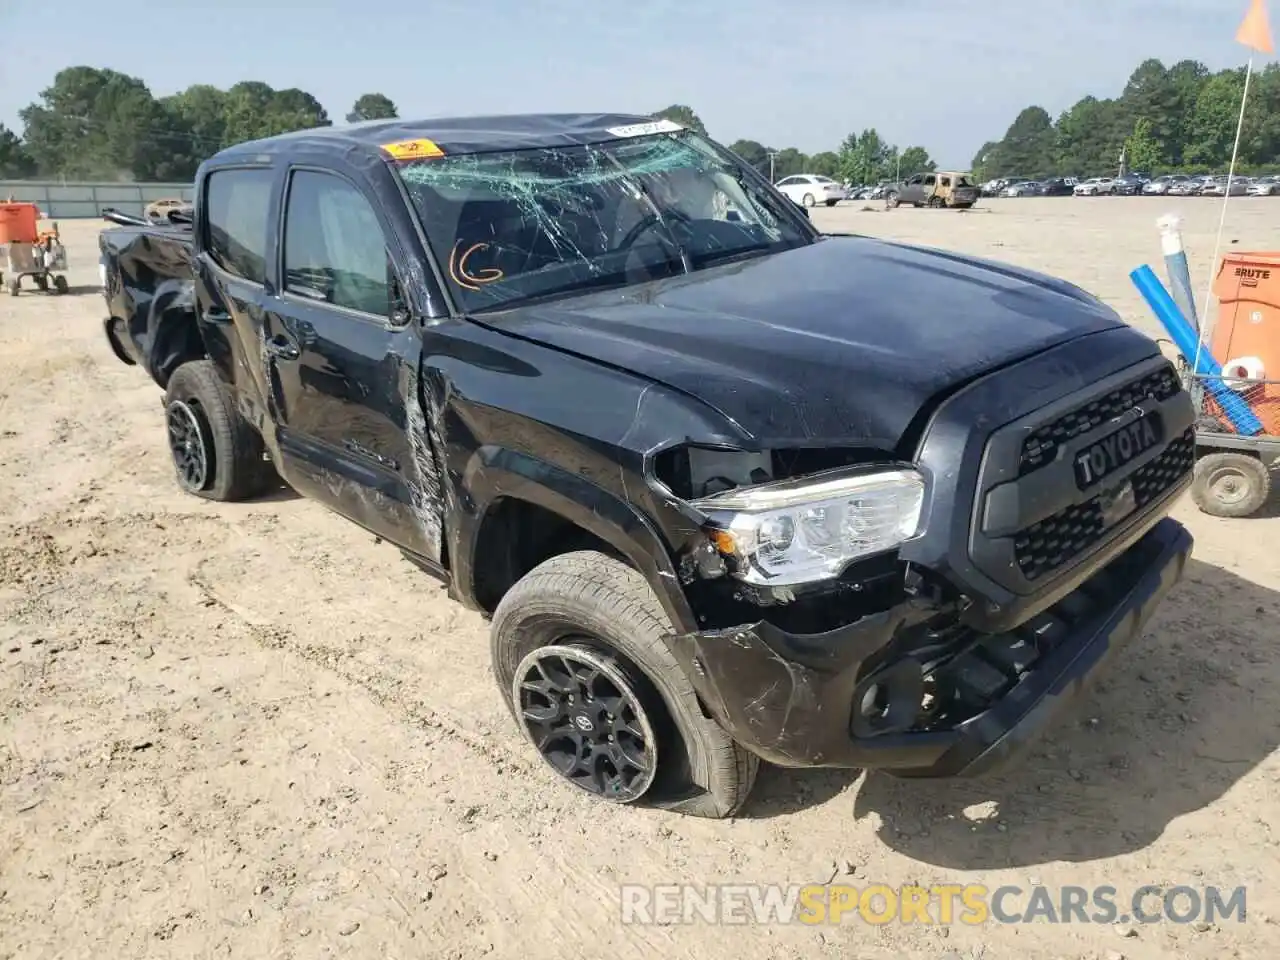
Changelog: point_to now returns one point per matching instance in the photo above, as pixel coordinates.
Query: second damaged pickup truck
(729, 489)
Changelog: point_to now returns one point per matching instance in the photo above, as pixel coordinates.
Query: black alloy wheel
(187, 445)
(584, 716)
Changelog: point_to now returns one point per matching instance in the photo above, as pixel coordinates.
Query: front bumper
(790, 699)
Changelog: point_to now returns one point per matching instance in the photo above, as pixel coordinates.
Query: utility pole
(772, 154)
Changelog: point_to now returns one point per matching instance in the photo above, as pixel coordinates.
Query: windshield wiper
(566, 289)
(737, 253)
(642, 193)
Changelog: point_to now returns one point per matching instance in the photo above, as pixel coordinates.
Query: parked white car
(1094, 186)
(1265, 187)
(808, 189)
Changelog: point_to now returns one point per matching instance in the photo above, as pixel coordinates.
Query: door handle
(215, 315)
(283, 348)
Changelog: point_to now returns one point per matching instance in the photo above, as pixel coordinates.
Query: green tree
(683, 115)
(1028, 147)
(1087, 141)
(866, 158)
(788, 162)
(200, 114)
(1260, 138)
(1142, 150)
(1213, 124)
(825, 164)
(985, 160)
(102, 125)
(756, 154)
(254, 110)
(1151, 97)
(916, 160)
(372, 106)
(15, 162)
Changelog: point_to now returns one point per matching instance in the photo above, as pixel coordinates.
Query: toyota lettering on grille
(1104, 457)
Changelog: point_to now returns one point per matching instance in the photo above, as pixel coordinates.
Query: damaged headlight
(800, 531)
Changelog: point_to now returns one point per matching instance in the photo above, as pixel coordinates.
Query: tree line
(96, 124)
(1176, 119)
(93, 124)
(864, 157)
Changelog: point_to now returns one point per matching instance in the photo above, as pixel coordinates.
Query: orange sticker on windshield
(412, 150)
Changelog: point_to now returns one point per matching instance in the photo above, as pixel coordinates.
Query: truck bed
(146, 276)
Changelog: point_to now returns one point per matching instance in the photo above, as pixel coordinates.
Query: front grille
(1057, 540)
(1041, 446)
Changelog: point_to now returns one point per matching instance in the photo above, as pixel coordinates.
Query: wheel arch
(539, 510)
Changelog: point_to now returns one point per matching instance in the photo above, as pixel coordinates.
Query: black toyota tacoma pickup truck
(728, 489)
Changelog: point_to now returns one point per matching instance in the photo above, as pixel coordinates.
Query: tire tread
(618, 594)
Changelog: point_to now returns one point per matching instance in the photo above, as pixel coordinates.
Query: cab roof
(458, 135)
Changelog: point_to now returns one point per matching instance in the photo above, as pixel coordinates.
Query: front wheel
(1230, 484)
(808, 200)
(891, 200)
(580, 655)
(216, 454)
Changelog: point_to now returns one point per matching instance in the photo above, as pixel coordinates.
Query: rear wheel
(580, 655)
(60, 284)
(832, 203)
(216, 454)
(13, 287)
(42, 283)
(1230, 484)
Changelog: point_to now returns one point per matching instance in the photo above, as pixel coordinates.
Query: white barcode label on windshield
(645, 129)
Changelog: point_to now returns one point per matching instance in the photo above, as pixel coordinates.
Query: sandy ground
(250, 731)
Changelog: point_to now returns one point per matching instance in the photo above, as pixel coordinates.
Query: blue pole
(1234, 407)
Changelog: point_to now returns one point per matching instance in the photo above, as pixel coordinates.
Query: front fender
(496, 472)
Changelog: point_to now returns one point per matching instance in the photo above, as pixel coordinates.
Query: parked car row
(1134, 184)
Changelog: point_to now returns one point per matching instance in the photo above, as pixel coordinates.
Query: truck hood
(840, 342)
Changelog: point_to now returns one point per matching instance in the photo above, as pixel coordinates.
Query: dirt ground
(251, 731)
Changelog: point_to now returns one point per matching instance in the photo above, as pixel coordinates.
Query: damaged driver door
(344, 358)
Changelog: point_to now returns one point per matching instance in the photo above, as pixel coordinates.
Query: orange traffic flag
(1255, 31)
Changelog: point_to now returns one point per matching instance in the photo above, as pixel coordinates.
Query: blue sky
(946, 75)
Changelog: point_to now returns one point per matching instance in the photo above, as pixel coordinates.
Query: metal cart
(1233, 471)
(26, 250)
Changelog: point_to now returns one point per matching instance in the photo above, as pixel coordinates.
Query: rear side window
(237, 206)
(334, 248)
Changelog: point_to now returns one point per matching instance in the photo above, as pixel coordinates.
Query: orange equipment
(19, 223)
(28, 251)
(1246, 337)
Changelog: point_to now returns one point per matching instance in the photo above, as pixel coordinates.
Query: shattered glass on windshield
(530, 224)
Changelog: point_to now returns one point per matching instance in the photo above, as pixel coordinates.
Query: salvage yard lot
(249, 730)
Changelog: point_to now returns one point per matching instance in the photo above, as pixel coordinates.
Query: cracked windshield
(522, 225)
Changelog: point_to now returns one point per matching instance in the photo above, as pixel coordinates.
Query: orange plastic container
(1246, 336)
(18, 223)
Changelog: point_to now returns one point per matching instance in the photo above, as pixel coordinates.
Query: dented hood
(839, 342)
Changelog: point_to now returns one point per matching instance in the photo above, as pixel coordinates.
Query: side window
(916, 179)
(946, 181)
(928, 181)
(334, 248)
(788, 181)
(237, 205)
